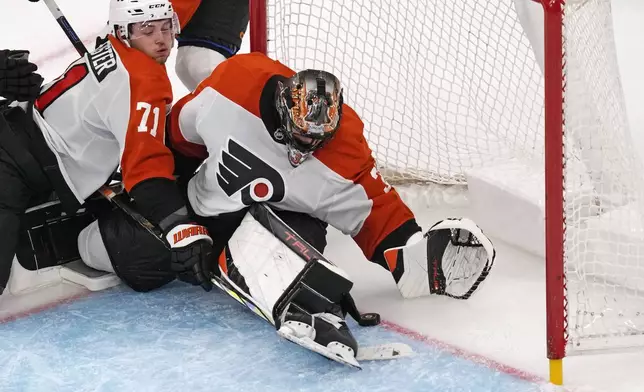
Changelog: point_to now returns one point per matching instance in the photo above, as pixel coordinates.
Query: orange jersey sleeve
(185, 9)
(349, 155)
(143, 152)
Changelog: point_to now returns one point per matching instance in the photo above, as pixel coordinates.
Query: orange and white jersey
(108, 108)
(230, 120)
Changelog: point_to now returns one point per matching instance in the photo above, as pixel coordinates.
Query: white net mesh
(445, 86)
(604, 240)
(442, 86)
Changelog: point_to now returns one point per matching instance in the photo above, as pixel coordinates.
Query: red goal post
(555, 219)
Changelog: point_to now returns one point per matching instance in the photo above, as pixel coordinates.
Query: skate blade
(324, 351)
(384, 352)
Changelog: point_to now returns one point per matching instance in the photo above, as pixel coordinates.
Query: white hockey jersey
(108, 108)
(225, 121)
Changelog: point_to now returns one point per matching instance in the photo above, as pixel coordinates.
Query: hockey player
(250, 121)
(250, 124)
(107, 109)
(213, 32)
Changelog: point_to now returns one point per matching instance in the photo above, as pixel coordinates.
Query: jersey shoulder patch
(102, 61)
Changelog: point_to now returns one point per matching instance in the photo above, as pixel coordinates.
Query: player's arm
(390, 222)
(186, 145)
(146, 163)
(138, 121)
(183, 137)
(452, 258)
(366, 206)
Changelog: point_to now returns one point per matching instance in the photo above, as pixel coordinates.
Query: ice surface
(181, 338)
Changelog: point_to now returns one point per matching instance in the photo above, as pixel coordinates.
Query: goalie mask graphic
(310, 107)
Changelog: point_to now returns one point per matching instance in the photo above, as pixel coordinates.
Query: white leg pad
(267, 264)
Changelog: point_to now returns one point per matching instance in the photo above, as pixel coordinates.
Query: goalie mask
(310, 106)
(123, 13)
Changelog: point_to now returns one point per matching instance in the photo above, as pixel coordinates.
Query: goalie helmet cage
(444, 86)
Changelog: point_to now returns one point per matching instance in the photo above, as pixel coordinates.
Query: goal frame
(556, 328)
(555, 218)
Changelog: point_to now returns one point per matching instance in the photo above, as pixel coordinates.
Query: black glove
(191, 254)
(18, 80)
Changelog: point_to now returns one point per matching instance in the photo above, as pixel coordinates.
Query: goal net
(447, 86)
(604, 235)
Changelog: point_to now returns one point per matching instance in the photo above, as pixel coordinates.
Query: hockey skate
(325, 333)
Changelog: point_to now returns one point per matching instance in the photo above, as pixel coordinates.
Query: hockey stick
(104, 190)
(67, 28)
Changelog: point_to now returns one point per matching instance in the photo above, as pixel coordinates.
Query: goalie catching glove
(191, 249)
(452, 258)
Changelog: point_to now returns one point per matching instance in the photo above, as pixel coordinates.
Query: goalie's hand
(18, 78)
(191, 253)
(453, 258)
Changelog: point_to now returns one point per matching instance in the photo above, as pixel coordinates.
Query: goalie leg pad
(260, 264)
(453, 258)
(280, 273)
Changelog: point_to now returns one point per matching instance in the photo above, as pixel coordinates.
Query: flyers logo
(240, 170)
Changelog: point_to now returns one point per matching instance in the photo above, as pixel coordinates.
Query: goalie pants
(143, 263)
(29, 173)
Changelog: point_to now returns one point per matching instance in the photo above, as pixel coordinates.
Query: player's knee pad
(194, 64)
(269, 261)
(140, 260)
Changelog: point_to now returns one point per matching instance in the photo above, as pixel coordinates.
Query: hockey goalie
(281, 156)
